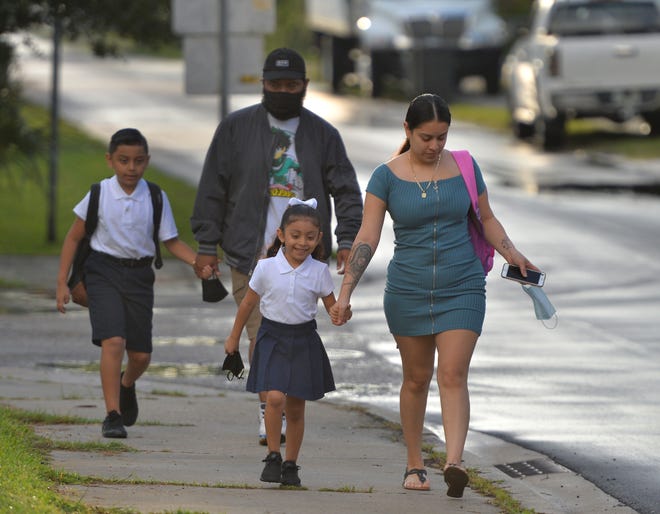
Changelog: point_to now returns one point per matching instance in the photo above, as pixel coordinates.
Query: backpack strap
(92, 219)
(484, 250)
(157, 204)
(464, 161)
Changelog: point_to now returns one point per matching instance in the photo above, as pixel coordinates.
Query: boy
(119, 276)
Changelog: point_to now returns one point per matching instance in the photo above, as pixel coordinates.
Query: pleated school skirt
(290, 359)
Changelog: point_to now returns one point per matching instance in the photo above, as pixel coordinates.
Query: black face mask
(283, 106)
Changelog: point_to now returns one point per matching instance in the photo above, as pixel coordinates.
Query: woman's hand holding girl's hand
(231, 345)
(348, 314)
(340, 313)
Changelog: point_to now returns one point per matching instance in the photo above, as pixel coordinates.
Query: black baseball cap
(284, 63)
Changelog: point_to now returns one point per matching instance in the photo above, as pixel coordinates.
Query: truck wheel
(386, 73)
(492, 77)
(653, 119)
(522, 130)
(551, 132)
(342, 64)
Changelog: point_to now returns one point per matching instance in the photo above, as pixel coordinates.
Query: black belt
(144, 262)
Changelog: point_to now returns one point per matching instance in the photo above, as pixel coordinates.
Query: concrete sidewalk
(196, 445)
(205, 443)
(196, 450)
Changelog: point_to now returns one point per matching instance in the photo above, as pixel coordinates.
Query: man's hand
(342, 259)
(201, 261)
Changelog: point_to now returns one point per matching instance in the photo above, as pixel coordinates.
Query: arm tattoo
(506, 244)
(358, 262)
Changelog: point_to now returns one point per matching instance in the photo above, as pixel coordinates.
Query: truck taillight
(554, 68)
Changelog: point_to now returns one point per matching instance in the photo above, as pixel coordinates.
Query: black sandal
(457, 479)
(421, 474)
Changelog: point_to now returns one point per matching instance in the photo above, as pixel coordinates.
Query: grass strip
(45, 418)
(26, 485)
(68, 478)
(111, 447)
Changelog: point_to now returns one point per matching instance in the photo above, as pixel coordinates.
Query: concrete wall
(198, 22)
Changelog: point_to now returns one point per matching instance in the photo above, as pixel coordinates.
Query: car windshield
(580, 19)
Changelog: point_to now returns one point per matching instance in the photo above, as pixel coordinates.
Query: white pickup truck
(584, 58)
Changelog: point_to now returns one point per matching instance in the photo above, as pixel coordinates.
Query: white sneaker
(262, 425)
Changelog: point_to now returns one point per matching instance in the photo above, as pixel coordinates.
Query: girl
(289, 362)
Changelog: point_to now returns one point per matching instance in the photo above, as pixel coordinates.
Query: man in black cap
(259, 158)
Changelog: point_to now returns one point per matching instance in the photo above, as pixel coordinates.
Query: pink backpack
(482, 248)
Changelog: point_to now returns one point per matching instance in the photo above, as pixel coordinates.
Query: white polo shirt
(125, 228)
(290, 295)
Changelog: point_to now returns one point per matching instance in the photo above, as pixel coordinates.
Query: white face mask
(543, 308)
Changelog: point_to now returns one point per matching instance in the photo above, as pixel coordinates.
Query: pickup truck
(408, 47)
(582, 59)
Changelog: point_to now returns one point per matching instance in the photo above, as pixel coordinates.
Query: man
(259, 158)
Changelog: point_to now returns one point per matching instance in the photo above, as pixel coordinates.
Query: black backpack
(76, 280)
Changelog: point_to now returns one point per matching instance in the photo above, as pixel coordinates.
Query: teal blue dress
(435, 281)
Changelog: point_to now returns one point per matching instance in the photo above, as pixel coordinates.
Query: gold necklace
(432, 181)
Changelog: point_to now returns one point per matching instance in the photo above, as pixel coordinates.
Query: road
(584, 393)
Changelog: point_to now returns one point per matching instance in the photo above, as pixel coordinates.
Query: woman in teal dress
(435, 297)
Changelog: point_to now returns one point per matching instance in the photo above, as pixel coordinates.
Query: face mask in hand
(543, 308)
(283, 106)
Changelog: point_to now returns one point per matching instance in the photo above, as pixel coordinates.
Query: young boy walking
(118, 274)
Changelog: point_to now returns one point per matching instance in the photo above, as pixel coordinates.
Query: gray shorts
(121, 301)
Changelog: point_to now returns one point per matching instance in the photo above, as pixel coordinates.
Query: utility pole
(224, 59)
(54, 128)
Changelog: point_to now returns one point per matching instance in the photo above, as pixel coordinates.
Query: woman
(435, 290)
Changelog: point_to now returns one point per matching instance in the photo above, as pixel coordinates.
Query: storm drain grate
(529, 468)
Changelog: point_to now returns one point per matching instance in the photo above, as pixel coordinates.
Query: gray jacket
(232, 197)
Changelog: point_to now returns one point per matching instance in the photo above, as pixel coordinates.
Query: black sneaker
(128, 403)
(273, 468)
(289, 474)
(113, 427)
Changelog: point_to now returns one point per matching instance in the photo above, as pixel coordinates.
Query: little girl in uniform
(289, 362)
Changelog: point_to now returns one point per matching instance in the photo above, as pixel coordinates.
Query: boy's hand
(202, 261)
(231, 345)
(207, 272)
(62, 296)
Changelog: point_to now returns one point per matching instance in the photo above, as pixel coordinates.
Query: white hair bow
(311, 202)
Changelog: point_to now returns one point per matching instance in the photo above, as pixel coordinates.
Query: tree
(146, 22)
(17, 141)
(99, 22)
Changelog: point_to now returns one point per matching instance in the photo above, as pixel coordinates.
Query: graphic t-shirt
(285, 176)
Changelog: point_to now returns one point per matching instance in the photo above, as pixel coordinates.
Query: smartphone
(534, 278)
